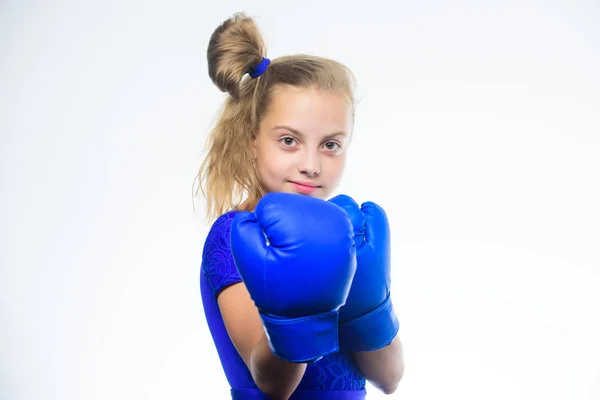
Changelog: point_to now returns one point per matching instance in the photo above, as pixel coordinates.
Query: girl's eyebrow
(298, 133)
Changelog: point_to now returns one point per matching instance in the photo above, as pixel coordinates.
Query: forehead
(309, 110)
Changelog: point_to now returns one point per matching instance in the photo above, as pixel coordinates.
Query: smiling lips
(305, 187)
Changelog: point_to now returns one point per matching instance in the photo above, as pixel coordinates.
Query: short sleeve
(218, 265)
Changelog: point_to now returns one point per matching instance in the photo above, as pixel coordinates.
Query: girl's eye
(332, 146)
(287, 141)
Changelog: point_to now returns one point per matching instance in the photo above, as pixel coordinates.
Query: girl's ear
(253, 148)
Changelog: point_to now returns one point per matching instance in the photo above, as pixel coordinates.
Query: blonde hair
(228, 177)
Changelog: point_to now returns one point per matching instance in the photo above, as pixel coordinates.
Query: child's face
(302, 143)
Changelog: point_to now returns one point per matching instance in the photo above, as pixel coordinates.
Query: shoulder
(218, 265)
(218, 235)
(221, 227)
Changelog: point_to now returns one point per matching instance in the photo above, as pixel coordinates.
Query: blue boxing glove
(367, 320)
(296, 256)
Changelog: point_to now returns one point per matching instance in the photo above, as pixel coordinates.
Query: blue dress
(333, 377)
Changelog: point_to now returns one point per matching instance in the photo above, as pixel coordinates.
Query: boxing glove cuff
(371, 331)
(302, 340)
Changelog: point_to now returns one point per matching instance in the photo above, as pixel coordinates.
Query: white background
(478, 131)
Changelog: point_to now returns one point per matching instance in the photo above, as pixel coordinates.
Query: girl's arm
(383, 368)
(273, 376)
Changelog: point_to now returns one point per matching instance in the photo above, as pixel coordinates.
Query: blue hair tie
(257, 71)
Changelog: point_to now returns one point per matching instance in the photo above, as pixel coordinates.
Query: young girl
(295, 288)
